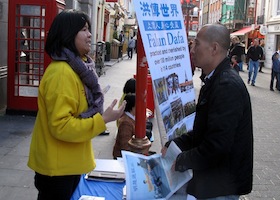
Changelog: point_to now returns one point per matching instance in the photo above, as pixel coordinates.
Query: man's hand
(163, 152)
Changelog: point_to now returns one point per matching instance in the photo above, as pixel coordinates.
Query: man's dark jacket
(220, 147)
(255, 53)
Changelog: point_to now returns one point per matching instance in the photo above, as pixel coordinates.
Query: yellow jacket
(61, 141)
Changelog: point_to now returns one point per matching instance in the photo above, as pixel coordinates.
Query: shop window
(277, 42)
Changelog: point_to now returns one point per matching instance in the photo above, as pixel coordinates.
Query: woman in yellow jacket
(70, 112)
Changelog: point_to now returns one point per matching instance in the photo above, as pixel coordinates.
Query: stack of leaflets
(151, 177)
(86, 197)
(107, 170)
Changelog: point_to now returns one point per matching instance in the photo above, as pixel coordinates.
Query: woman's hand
(110, 114)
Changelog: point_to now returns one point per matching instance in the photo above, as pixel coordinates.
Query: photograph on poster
(187, 85)
(189, 108)
(177, 110)
(179, 131)
(161, 90)
(167, 119)
(172, 84)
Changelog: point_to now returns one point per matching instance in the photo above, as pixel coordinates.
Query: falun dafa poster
(165, 42)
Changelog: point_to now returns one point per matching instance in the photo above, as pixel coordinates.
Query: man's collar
(210, 74)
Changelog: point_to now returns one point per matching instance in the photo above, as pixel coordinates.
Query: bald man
(254, 53)
(219, 149)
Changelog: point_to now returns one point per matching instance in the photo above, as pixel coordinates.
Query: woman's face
(83, 40)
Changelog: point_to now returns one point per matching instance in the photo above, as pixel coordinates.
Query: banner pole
(139, 142)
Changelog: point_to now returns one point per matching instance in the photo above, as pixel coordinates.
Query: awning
(242, 31)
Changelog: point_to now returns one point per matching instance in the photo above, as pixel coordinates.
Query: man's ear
(215, 47)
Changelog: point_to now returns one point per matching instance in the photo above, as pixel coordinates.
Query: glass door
(29, 49)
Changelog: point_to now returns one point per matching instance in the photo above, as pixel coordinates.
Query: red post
(139, 142)
(141, 89)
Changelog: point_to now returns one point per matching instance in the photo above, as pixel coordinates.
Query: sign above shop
(263, 30)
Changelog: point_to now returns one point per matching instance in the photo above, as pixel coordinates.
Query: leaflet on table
(87, 197)
(165, 42)
(107, 170)
(151, 177)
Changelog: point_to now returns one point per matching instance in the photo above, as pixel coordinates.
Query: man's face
(201, 50)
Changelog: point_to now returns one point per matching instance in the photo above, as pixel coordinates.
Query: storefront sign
(230, 2)
(263, 30)
(273, 28)
(277, 28)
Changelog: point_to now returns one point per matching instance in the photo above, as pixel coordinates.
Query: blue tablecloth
(109, 190)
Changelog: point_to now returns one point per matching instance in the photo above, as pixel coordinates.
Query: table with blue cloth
(109, 190)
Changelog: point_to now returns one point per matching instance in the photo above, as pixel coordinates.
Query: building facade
(215, 11)
(272, 24)
(3, 54)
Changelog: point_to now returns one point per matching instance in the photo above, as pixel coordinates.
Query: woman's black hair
(130, 102)
(130, 86)
(63, 31)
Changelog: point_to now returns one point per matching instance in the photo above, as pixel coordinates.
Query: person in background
(246, 57)
(191, 61)
(126, 127)
(70, 109)
(129, 87)
(219, 149)
(234, 63)
(239, 50)
(121, 40)
(275, 72)
(131, 46)
(255, 53)
(135, 48)
(262, 60)
(278, 51)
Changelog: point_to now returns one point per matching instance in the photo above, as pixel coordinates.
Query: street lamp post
(187, 6)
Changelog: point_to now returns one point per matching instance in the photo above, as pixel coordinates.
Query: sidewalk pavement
(17, 180)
